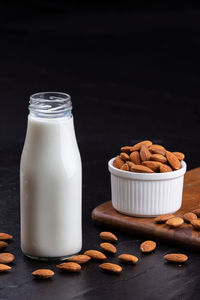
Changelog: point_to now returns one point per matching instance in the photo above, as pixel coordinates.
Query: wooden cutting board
(185, 236)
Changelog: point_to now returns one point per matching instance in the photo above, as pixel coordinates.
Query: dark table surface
(133, 74)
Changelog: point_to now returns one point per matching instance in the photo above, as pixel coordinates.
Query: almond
(80, 259)
(124, 156)
(140, 168)
(175, 222)
(173, 160)
(148, 246)
(197, 212)
(196, 224)
(156, 146)
(6, 258)
(43, 273)
(109, 267)
(128, 258)
(118, 162)
(176, 257)
(107, 247)
(156, 150)
(135, 157)
(179, 155)
(3, 245)
(130, 164)
(153, 165)
(165, 168)
(188, 217)
(125, 167)
(95, 254)
(126, 149)
(5, 236)
(145, 154)
(163, 218)
(4, 268)
(158, 157)
(108, 236)
(137, 146)
(69, 267)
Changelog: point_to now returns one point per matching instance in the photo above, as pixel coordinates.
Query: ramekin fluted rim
(146, 176)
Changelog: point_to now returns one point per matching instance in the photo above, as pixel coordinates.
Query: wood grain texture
(186, 235)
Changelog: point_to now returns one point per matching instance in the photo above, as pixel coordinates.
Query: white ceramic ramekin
(145, 194)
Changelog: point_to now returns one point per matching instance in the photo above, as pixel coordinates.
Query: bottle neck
(50, 105)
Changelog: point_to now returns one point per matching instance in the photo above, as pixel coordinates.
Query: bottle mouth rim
(50, 104)
(41, 95)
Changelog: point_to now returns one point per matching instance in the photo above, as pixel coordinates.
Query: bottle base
(49, 258)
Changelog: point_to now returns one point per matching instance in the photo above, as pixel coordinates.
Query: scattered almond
(158, 157)
(5, 236)
(125, 167)
(137, 146)
(153, 165)
(95, 254)
(124, 156)
(128, 258)
(197, 212)
(3, 245)
(173, 160)
(108, 236)
(118, 162)
(165, 168)
(175, 222)
(196, 224)
(188, 217)
(43, 273)
(176, 257)
(107, 247)
(4, 268)
(69, 267)
(163, 218)
(126, 149)
(135, 157)
(148, 246)
(109, 267)
(179, 155)
(79, 259)
(145, 154)
(6, 258)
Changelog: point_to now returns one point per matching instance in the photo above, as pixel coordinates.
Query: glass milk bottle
(50, 180)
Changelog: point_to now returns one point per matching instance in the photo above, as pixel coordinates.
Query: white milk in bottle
(50, 180)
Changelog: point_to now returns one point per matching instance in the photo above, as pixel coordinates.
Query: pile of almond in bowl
(146, 157)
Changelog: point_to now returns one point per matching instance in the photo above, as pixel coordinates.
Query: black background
(133, 73)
